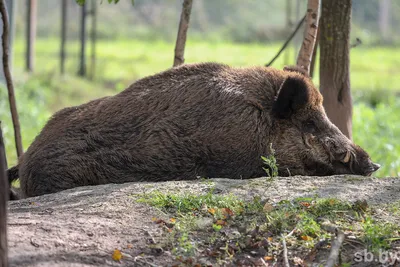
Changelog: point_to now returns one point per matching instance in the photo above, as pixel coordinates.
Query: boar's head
(305, 140)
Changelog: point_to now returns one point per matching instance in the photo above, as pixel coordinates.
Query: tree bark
(7, 75)
(64, 8)
(4, 194)
(30, 34)
(334, 63)
(82, 65)
(182, 32)
(93, 39)
(384, 18)
(310, 36)
(314, 55)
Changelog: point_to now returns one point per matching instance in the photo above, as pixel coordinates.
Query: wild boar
(196, 120)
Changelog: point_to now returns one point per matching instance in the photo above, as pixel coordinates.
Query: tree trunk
(310, 36)
(30, 34)
(314, 55)
(182, 31)
(93, 38)
(334, 63)
(64, 8)
(7, 75)
(82, 65)
(4, 194)
(384, 18)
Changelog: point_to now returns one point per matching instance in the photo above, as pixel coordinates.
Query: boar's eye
(309, 126)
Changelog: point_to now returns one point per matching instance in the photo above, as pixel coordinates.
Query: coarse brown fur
(199, 120)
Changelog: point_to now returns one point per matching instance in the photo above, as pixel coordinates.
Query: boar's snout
(354, 160)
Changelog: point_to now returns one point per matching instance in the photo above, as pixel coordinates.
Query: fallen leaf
(227, 211)
(220, 222)
(305, 204)
(269, 239)
(129, 246)
(160, 221)
(211, 210)
(306, 237)
(172, 220)
(117, 255)
(268, 258)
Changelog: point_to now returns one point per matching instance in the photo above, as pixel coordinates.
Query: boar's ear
(293, 95)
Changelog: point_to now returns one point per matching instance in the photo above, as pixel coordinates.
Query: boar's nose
(375, 166)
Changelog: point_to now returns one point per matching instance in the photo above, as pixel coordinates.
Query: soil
(83, 226)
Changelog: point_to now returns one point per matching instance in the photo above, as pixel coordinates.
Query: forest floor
(210, 223)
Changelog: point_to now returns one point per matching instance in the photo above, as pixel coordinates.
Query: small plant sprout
(270, 161)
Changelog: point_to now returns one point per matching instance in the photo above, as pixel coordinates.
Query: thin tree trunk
(182, 32)
(64, 8)
(4, 194)
(314, 55)
(7, 75)
(310, 36)
(384, 18)
(289, 26)
(82, 66)
(334, 63)
(30, 34)
(93, 39)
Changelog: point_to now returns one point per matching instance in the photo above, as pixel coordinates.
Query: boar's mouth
(355, 163)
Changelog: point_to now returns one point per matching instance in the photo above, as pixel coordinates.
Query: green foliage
(377, 130)
(270, 161)
(379, 235)
(189, 202)
(235, 226)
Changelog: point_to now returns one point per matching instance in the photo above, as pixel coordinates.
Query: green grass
(128, 60)
(375, 79)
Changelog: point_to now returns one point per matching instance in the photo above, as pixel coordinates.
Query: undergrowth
(225, 229)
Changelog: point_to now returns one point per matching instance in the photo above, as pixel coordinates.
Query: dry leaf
(172, 220)
(211, 210)
(305, 204)
(159, 221)
(306, 237)
(129, 246)
(268, 258)
(269, 239)
(227, 211)
(220, 222)
(117, 255)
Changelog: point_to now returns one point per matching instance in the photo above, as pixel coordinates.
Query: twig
(285, 256)
(287, 41)
(291, 233)
(336, 244)
(357, 43)
(7, 75)
(182, 31)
